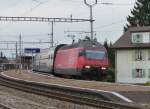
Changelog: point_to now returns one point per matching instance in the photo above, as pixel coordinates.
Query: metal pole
(16, 54)
(32, 60)
(52, 34)
(16, 50)
(91, 21)
(91, 15)
(20, 51)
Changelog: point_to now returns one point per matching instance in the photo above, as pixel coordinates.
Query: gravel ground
(12, 99)
(139, 94)
(22, 100)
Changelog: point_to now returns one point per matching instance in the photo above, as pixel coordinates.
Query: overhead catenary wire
(39, 3)
(107, 4)
(103, 3)
(111, 24)
(36, 1)
(36, 6)
(27, 12)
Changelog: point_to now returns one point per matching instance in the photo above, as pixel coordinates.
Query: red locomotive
(86, 59)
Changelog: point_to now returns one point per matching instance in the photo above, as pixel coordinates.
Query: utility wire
(36, 6)
(36, 1)
(28, 11)
(103, 3)
(111, 24)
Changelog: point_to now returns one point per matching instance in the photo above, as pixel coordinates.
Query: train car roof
(86, 43)
(47, 49)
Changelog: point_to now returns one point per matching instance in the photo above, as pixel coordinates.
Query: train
(85, 58)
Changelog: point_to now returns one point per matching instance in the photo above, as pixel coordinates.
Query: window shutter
(133, 55)
(143, 73)
(143, 55)
(148, 73)
(133, 73)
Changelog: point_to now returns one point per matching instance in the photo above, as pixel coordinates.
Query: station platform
(132, 93)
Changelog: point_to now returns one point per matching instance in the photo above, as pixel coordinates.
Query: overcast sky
(109, 19)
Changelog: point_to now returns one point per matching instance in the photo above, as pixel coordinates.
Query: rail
(66, 94)
(2, 106)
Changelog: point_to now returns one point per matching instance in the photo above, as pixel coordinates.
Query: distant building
(26, 62)
(132, 53)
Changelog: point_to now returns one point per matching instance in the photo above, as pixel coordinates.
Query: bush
(110, 75)
(147, 84)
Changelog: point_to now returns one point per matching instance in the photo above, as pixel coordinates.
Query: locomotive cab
(91, 56)
(93, 62)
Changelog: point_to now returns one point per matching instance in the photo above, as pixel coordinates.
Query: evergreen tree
(111, 54)
(106, 44)
(140, 15)
(1, 54)
(111, 58)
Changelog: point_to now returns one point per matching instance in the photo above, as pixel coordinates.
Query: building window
(138, 73)
(137, 38)
(138, 55)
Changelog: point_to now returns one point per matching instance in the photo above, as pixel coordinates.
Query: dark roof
(124, 42)
(84, 44)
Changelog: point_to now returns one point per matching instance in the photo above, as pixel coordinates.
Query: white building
(133, 56)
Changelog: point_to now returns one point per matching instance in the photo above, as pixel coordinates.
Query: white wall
(125, 63)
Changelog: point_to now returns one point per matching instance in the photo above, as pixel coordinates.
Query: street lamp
(90, 5)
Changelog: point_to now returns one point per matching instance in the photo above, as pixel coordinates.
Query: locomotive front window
(90, 54)
(82, 53)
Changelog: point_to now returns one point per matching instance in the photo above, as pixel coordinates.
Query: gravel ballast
(22, 100)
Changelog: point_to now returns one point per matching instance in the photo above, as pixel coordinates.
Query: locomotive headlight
(103, 68)
(87, 66)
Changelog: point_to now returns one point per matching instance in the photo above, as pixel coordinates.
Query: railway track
(68, 94)
(2, 106)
